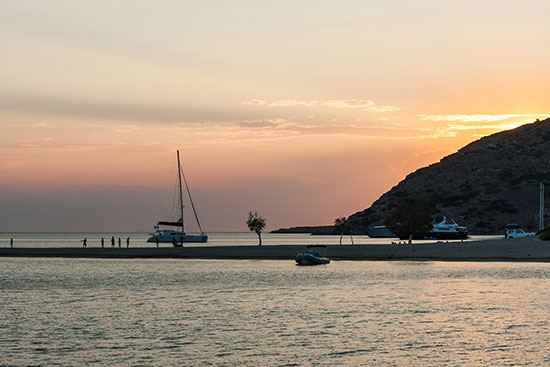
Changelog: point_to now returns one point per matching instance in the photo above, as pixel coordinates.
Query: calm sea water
(138, 239)
(272, 313)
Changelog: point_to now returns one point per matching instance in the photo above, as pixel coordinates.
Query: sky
(301, 110)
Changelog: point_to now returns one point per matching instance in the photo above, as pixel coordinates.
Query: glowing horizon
(302, 115)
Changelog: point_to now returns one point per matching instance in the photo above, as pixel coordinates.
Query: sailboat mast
(181, 192)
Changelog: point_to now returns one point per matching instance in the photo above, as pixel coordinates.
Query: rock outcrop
(485, 185)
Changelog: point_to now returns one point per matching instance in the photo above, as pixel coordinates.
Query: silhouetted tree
(340, 225)
(411, 217)
(256, 223)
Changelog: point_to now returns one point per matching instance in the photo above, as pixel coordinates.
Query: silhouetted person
(174, 242)
(157, 240)
(119, 242)
(102, 242)
(11, 243)
(127, 242)
(85, 242)
(113, 241)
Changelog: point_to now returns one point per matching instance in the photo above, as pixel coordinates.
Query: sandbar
(518, 249)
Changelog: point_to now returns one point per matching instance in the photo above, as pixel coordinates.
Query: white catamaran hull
(168, 237)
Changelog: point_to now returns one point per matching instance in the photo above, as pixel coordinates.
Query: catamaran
(178, 237)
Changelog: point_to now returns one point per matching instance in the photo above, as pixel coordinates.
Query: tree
(256, 223)
(411, 217)
(341, 226)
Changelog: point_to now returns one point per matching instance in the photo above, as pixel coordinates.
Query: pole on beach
(541, 207)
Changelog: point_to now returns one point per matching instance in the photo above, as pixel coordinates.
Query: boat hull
(450, 235)
(380, 232)
(310, 259)
(185, 238)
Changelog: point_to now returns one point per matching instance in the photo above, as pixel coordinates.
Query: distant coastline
(317, 230)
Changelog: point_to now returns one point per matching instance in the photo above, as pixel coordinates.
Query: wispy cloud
(262, 123)
(125, 128)
(361, 104)
(483, 122)
(25, 125)
(504, 126)
(280, 103)
(478, 118)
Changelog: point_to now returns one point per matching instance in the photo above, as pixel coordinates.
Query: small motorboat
(314, 255)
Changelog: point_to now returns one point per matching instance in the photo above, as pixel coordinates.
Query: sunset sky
(301, 110)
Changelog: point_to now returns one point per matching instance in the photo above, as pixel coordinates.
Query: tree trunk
(351, 237)
(341, 235)
(410, 239)
(259, 238)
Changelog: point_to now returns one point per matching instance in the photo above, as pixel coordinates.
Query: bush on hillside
(545, 235)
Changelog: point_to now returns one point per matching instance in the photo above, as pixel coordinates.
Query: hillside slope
(485, 185)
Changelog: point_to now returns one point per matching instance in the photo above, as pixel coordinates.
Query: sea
(139, 239)
(181, 312)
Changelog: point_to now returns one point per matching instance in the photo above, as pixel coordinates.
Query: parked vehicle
(514, 231)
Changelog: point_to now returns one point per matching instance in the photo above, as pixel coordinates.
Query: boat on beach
(380, 232)
(314, 255)
(178, 236)
(448, 229)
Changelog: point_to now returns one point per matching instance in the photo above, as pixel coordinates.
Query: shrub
(545, 235)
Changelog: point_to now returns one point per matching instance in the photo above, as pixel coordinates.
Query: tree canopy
(340, 226)
(412, 217)
(256, 223)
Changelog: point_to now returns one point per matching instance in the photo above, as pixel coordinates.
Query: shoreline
(529, 249)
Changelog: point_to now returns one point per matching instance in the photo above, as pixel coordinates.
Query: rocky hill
(485, 185)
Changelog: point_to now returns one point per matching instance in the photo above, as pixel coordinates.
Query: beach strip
(520, 249)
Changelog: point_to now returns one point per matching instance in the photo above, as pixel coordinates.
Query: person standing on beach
(11, 243)
(127, 242)
(157, 240)
(119, 242)
(102, 242)
(113, 241)
(85, 242)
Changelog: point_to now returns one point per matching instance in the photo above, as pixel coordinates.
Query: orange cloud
(362, 104)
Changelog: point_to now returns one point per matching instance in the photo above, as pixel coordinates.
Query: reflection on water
(202, 312)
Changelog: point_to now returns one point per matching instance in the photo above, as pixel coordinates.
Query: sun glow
(272, 107)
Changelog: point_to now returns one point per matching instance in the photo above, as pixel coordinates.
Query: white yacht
(448, 229)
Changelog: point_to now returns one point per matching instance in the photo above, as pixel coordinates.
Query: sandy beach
(521, 249)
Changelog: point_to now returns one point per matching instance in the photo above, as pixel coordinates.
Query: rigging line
(191, 200)
(175, 201)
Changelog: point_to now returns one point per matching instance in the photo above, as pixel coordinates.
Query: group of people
(175, 242)
(85, 242)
